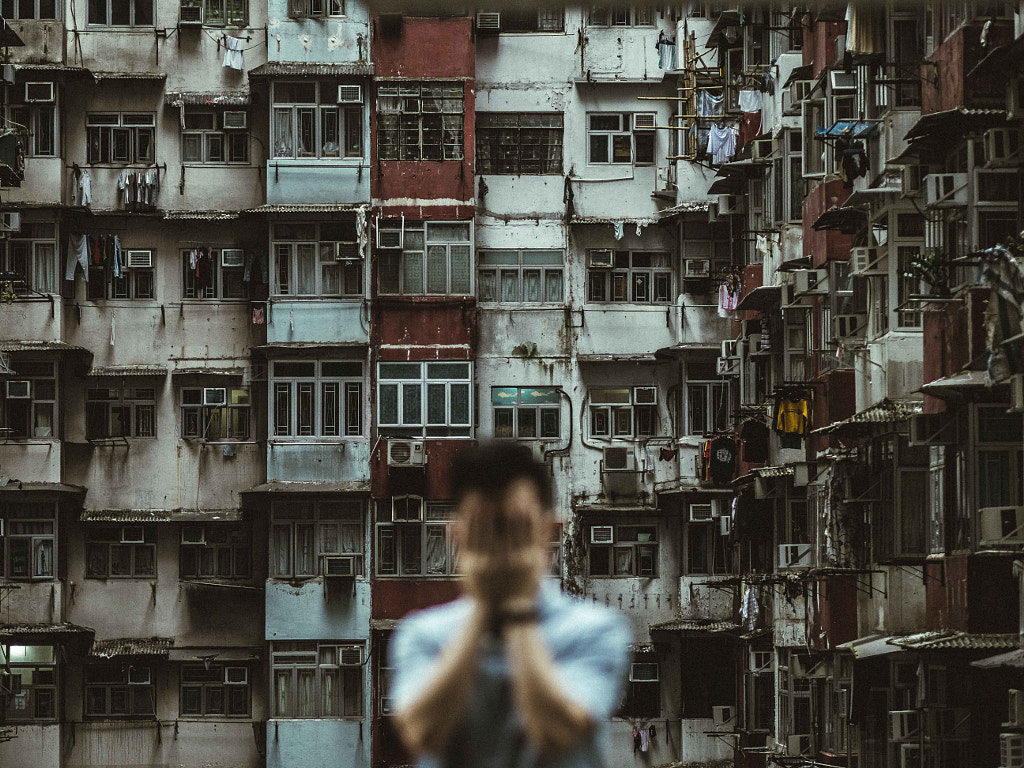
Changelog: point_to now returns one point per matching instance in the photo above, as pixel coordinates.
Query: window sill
(306, 579)
(520, 305)
(280, 297)
(7, 439)
(311, 440)
(214, 718)
(418, 576)
(89, 719)
(122, 578)
(350, 719)
(354, 162)
(240, 301)
(219, 165)
(205, 441)
(28, 579)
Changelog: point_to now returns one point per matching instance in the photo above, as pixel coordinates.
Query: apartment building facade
(743, 278)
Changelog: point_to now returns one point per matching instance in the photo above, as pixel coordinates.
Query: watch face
(723, 454)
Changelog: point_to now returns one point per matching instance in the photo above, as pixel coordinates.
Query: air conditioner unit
(1014, 709)
(1015, 98)
(702, 511)
(350, 655)
(601, 257)
(799, 90)
(1002, 147)
(7, 74)
(945, 190)
(794, 556)
(341, 566)
(643, 672)
(729, 204)
(387, 705)
(215, 396)
(133, 534)
(666, 178)
(761, 149)
(232, 257)
(18, 390)
(644, 121)
(10, 221)
(235, 120)
(868, 261)
(602, 534)
(405, 509)
(1001, 525)
(842, 82)
(850, 326)
(910, 756)
(140, 259)
(787, 103)
(810, 281)
(39, 93)
(139, 676)
(1016, 393)
(488, 22)
(1011, 750)
(725, 525)
(193, 534)
(799, 744)
(350, 94)
(728, 366)
(696, 267)
(345, 251)
(904, 725)
(645, 395)
(619, 459)
(407, 453)
(236, 675)
(190, 16)
(388, 237)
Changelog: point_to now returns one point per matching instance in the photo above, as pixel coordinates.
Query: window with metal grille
(518, 143)
(420, 120)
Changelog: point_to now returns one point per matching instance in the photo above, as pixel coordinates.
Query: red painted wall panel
(425, 322)
(827, 245)
(981, 595)
(945, 84)
(394, 598)
(819, 46)
(426, 47)
(839, 609)
(430, 482)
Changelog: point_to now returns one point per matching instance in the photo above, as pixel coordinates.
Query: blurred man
(515, 673)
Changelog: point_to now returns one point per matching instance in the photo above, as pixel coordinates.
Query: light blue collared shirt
(589, 645)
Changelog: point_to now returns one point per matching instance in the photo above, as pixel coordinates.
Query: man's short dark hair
(492, 467)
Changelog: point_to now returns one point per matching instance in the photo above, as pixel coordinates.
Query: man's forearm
(427, 723)
(552, 720)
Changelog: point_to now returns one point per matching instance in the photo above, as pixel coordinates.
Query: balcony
(946, 80)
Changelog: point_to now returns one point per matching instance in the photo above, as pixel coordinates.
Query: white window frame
(625, 129)
(206, 135)
(325, 101)
(429, 235)
(517, 409)
(307, 657)
(102, 126)
(423, 380)
(438, 517)
(318, 517)
(193, 410)
(490, 268)
(349, 416)
(39, 531)
(609, 409)
(629, 276)
(221, 274)
(618, 16)
(285, 252)
(39, 406)
(41, 271)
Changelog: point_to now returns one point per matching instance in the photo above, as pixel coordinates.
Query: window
(317, 680)
(120, 412)
(309, 122)
(707, 551)
(788, 188)
(420, 120)
(115, 137)
(612, 139)
(214, 690)
(642, 277)
(301, 9)
(623, 550)
(706, 250)
(229, 421)
(36, 414)
(218, 551)
(528, 277)
(218, 13)
(23, 10)
(29, 532)
(312, 259)
(316, 398)
(531, 19)
(445, 389)
(40, 120)
(30, 258)
(134, 282)
(203, 140)
(414, 538)
(518, 142)
(215, 276)
(435, 260)
(126, 552)
(121, 13)
(622, 413)
(35, 666)
(119, 690)
(642, 696)
(707, 407)
(527, 413)
(303, 533)
(760, 683)
(621, 16)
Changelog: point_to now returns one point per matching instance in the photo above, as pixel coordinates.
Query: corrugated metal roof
(678, 210)
(885, 412)
(293, 346)
(207, 515)
(383, 624)
(50, 68)
(208, 98)
(195, 370)
(126, 516)
(214, 654)
(304, 208)
(152, 76)
(870, 646)
(773, 471)
(17, 345)
(644, 220)
(16, 630)
(131, 646)
(279, 486)
(201, 215)
(1010, 660)
(621, 358)
(684, 625)
(23, 486)
(127, 370)
(952, 640)
(311, 69)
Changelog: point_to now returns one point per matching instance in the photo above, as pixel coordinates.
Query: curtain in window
(329, 693)
(531, 285)
(283, 142)
(411, 555)
(352, 691)
(509, 285)
(282, 692)
(437, 551)
(351, 538)
(623, 561)
(459, 407)
(306, 693)
(330, 271)
(553, 285)
(44, 269)
(305, 555)
(305, 269)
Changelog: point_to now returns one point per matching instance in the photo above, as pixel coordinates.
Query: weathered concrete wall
(37, 746)
(318, 609)
(317, 743)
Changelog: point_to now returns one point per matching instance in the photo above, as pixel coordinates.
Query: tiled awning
(625, 220)
(131, 76)
(760, 299)
(870, 646)
(933, 134)
(14, 631)
(885, 412)
(639, 357)
(127, 370)
(201, 215)
(1011, 660)
(208, 98)
(131, 646)
(726, 19)
(126, 516)
(214, 654)
(953, 640)
(684, 208)
(279, 486)
(39, 346)
(958, 384)
(683, 625)
(304, 208)
(11, 485)
(311, 69)
(383, 625)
